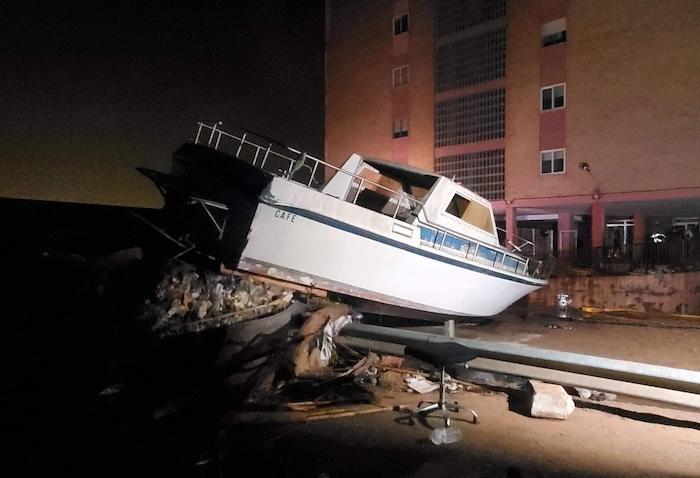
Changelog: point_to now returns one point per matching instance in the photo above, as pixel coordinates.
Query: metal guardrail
(614, 369)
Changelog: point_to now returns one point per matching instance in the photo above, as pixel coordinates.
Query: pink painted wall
(677, 293)
(422, 105)
(632, 108)
(400, 148)
(361, 102)
(553, 129)
(553, 64)
(356, 85)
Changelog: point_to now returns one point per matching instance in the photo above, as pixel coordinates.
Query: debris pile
(314, 353)
(188, 299)
(319, 377)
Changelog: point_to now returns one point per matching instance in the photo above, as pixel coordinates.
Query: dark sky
(91, 91)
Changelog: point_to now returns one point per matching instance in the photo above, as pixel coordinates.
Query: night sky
(91, 91)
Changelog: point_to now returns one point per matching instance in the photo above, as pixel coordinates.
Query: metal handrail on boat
(295, 164)
(518, 247)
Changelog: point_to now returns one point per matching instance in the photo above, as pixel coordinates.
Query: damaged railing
(268, 155)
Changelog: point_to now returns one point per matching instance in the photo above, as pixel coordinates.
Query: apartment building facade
(578, 119)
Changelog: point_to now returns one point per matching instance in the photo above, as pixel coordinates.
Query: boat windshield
(471, 212)
(386, 194)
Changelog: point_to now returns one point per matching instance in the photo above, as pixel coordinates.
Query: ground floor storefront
(611, 234)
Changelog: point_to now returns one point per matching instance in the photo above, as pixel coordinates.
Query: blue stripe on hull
(400, 245)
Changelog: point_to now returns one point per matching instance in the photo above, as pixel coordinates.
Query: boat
(386, 237)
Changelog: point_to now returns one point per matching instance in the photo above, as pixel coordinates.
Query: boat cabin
(415, 196)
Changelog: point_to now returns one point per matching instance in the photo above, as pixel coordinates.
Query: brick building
(578, 119)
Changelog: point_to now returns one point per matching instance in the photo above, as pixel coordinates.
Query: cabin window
(512, 264)
(498, 260)
(430, 237)
(471, 212)
(457, 245)
(486, 255)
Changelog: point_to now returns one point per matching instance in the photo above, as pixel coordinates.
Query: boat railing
(268, 155)
(522, 242)
(476, 251)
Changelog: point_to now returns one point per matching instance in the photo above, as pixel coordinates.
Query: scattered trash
(583, 392)
(111, 390)
(557, 326)
(391, 361)
(441, 436)
(314, 352)
(330, 330)
(563, 303)
(392, 380)
(594, 394)
(366, 371)
(421, 384)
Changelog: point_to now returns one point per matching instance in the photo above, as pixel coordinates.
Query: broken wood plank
(280, 417)
(308, 290)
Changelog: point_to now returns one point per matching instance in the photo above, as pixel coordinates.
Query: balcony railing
(671, 256)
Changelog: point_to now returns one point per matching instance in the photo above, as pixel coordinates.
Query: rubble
(188, 299)
(587, 394)
(550, 401)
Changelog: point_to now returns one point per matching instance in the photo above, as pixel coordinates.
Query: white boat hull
(299, 235)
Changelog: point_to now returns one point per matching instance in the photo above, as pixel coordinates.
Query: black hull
(204, 173)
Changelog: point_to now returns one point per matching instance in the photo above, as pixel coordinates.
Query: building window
(554, 32)
(553, 97)
(400, 76)
(552, 161)
(400, 127)
(401, 24)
